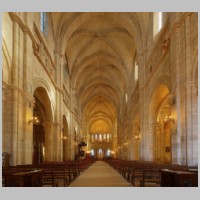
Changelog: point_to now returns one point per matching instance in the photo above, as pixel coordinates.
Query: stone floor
(100, 174)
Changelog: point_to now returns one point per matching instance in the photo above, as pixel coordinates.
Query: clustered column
(14, 131)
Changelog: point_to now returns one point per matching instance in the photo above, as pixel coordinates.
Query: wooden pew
(24, 179)
(151, 177)
(144, 173)
(54, 174)
(178, 178)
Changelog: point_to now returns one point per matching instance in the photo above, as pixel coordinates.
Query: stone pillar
(115, 141)
(195, 121)
(29, 138)
(144, 148)
(188, 90)
(59, 69)
(57, 134)
(15, 76)
(176, 111)
(58, 143)
(114, 136)
(142, 123)
(49, 147)
(195, 128)
(150, 137)
(7, 120)
(4, 136)
(128, 149)
(132, 148)
(159, 142)
(25, 104)
(69, 146)
(136, 144)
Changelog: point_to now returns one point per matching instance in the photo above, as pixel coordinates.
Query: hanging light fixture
(34, 120)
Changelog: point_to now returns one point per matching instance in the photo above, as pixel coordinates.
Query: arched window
(92, 137)
(126, 97)
(157, 22)
(43, 22)
(108, 137)
(92, 152)
(100, 137)
(100, 152)
(136, 71)
(108, 153)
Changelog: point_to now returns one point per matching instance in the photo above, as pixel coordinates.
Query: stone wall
(169, 62)
(30, 62)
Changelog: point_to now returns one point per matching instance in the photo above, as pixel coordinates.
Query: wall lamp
(169, 119)
(64, 138)
(136, 137)
(34, 120)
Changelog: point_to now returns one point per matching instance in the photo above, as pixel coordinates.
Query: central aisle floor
(100, 174)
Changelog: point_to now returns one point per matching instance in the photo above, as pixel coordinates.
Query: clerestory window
(43, 22)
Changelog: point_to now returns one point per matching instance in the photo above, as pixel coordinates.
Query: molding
(167, 35)
(45, 47)
(18, 20)
(163, 102)
(159, 46)
(21, 91)
(154, 70)
(178, 24)
(6, 53)
(26, 29)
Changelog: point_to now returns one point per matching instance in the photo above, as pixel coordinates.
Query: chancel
(100, 99)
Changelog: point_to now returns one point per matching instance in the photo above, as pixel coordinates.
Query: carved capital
(35, 48)
(165, 45)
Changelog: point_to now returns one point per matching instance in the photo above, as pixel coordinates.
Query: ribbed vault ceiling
(100, 50)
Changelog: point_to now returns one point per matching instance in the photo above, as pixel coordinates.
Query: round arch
(39, 82)
(160, 124)
(42, 127)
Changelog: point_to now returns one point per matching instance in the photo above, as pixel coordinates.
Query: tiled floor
(100, 174)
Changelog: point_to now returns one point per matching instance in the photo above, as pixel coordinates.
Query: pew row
(148, 174)
(51, 174)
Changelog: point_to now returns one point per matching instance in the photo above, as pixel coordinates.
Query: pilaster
(15, 95)
(49, 141)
